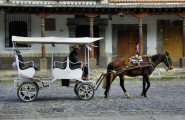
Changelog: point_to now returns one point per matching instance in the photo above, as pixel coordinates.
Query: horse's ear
(167, 53)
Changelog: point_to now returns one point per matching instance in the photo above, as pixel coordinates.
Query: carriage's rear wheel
(27, 92)
(85, 91)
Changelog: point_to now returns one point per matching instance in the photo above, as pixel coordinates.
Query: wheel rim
(85, 92)
(27, 92)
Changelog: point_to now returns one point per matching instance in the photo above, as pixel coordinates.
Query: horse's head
(168, 61)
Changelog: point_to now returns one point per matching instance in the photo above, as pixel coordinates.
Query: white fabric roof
(53, 40)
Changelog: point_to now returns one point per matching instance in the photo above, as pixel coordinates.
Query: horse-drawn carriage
(28, 89)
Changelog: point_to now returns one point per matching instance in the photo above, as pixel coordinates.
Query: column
(114, 42)
(140, 16)
(183, 37)
(43, 61)
(103, 60)
(43, 35)
(92, 61)
(183, 58)
(140, 36)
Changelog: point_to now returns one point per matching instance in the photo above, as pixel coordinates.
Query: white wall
(61, 31)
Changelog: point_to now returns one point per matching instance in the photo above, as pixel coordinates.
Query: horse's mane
(155, 57)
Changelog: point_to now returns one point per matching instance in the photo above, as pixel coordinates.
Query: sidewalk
(159, 72)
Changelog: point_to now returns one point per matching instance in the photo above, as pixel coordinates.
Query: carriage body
(28, 89)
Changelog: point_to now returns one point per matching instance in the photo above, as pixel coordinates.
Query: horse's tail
(109, 76)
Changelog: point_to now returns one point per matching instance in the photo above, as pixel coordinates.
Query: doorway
(126, 43)
(84, 31)
(173, 42)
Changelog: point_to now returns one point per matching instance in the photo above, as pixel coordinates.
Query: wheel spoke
(33, 92)
(22, 91)
(86, 87)
(30, 88)
(23, 97)
(29, 96)
(82, 89)
(90, 90)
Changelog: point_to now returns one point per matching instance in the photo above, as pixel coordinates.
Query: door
(84, 31)
(127, 43)
(173, 42)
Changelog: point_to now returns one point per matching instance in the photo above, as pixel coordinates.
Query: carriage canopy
(53, 40)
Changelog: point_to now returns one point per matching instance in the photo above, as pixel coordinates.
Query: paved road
(167, 98)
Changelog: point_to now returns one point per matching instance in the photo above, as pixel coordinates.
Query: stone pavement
(166, 102)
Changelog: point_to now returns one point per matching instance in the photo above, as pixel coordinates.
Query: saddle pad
(135, 60)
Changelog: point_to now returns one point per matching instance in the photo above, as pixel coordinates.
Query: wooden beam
(91, 15)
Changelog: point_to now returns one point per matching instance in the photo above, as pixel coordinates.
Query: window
(18, 25)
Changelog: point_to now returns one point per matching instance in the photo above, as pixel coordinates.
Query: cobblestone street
(166, 98)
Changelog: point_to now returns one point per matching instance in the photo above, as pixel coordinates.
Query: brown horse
(136, 70)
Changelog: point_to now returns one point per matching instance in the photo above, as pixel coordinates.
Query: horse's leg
(107, 87)
(144, 84)
(148, 84)
(121, 76)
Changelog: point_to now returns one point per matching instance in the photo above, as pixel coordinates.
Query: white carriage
(28, 89)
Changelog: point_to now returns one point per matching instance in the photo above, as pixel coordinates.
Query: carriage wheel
(85, 91)
(75, 88)
(27, 92)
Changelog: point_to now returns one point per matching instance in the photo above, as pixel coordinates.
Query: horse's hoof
(146, 95)
(106, 96)
(142, 94)
(128, 97)
(126, 94)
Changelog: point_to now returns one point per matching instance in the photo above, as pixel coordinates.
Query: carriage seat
(22, 63)
(72, 65)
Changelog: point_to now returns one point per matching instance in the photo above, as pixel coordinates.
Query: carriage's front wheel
(75, 89)
(85, 91)
(27, 92)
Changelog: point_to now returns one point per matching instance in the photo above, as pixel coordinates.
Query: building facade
(157, 25)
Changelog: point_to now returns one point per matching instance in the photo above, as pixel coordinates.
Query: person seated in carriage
(74, 58)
